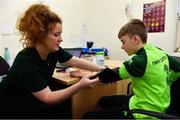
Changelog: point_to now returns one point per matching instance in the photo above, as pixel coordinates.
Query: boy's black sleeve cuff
(108, 76)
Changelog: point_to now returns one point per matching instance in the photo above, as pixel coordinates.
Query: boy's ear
(137, 39)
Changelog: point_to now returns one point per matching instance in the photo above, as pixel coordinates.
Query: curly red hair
(35, 23)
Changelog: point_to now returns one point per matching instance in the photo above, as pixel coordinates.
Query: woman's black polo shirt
(29, 73)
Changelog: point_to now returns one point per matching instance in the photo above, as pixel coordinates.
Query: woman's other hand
(86, 82)
(76, 73)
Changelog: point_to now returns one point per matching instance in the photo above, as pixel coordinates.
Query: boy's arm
(135, 67)
(116, 70)
(174, 69)
(174, 64)
(109, 75)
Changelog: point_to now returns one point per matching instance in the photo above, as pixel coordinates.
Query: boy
(151, 71)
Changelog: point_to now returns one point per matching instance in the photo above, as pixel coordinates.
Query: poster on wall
(154, 16)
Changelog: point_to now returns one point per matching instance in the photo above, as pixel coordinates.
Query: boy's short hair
(134, 27)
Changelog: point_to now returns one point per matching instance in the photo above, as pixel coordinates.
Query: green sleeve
(174, 64)
(173, 76)
(135, 67)
(123, 72)
(174, 73)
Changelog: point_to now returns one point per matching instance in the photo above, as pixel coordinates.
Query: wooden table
(65, 78)
(86, 99)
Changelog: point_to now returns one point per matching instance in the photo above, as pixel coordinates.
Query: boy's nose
(122, 47)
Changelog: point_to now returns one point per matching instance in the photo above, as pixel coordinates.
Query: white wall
(73, 13)
(103, 19)
(109, 16)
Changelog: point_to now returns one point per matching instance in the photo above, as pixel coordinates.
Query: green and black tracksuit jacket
(152, 71)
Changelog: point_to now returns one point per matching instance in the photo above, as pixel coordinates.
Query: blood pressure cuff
(108, 76)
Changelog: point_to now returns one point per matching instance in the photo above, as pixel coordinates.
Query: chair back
(175, 98)
(4, 66)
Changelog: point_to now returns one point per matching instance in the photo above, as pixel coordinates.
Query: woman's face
(53, 38)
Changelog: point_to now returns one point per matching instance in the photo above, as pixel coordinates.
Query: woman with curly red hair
(26, 92)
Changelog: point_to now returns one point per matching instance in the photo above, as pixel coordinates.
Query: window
(177, 49)
(178, 36)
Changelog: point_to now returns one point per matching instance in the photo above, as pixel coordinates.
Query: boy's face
(129, 44)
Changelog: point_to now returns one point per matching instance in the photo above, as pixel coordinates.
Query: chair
(173, 111)
(4, 67)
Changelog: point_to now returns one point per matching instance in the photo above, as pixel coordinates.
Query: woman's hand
(76, 73)
(86, 82)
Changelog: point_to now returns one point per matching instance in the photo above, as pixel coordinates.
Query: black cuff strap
(108, 76)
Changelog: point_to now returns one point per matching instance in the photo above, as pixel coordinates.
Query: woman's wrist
(102, 68)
